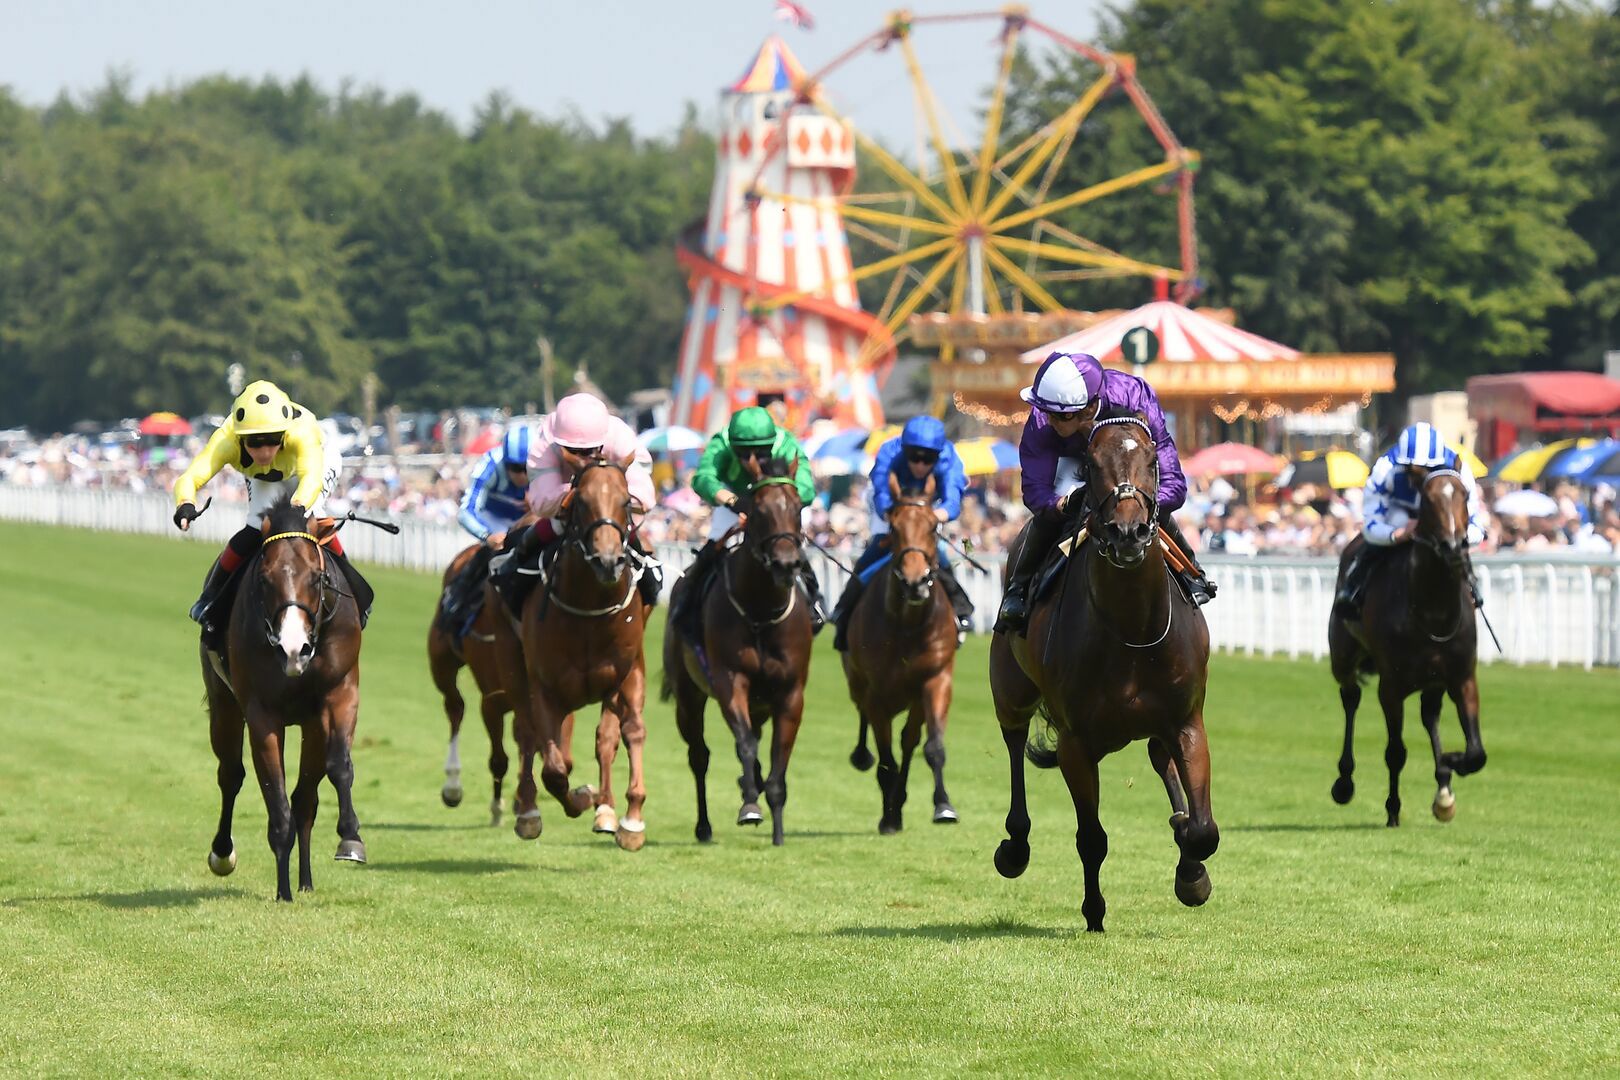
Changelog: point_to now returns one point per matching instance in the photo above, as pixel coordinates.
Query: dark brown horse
(475, 651)
(580, 643)
(1417, 634)
(1114, 654)
(902, 655)
(293, 657)
(755, 653)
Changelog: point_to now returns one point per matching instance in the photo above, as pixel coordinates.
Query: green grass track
(1331, 946)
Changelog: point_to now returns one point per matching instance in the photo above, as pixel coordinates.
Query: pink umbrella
(1230, 459)
(485, 440)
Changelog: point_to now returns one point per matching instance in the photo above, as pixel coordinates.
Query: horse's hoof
(1343, 789)
(494, 813)
(350, 851)
(1445, 805)
(581, 799)
(750, 814)
(631, 835)
(1394, 822)
(703, 832)
(945, 814)
(888, 828)
(1193, 893)
(1011, 858)
(451, 794)
(862, 758)
(528, 825)
(606, 820)
(222, 867)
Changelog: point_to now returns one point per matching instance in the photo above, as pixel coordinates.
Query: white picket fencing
(1549, 610)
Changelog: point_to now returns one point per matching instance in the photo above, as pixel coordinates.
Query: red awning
(1532, 396)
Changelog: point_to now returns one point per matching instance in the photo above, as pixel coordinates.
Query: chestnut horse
(1417, 634)
(293, 657)
(755, 653)
(1115, 654)
(901, 657)
(475, 651)
(579, 643)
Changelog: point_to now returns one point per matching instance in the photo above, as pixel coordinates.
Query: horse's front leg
(1445, 804)
(1344, 788)
(936, 704)
(1465, 695)
(444, 666)
(493, 709)
(225, 729)
(888, 770)
(1394, 702)
(630, 703)
(266, 740)
(1159, 757)
(608, 736)
(784, 733)
(1015, 700)
(340, 715)
(1198, 836)
(306, 797)
(1080, 774)
(734, 706)
(554, 728)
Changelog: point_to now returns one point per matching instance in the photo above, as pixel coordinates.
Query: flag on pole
(788, 11)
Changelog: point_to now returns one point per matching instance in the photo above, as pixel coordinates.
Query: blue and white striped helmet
(515, 447)
(1420, 444)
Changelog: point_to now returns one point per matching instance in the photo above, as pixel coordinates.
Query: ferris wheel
(972, 225)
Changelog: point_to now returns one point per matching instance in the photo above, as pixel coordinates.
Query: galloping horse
(579, 643)
(755, 653)
(476, 651)
(901, 656)
(293, 656)
(1115, 655)
(1417, 634)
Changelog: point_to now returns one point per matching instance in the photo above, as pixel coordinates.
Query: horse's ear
(930, 486)
(894, 485)
(628, 460)
(264, 524)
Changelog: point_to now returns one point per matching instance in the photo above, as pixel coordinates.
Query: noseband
(579, 535)
(1124, 489)
(321, 614)
(762, 547)
(926, 583)
(1455, 558)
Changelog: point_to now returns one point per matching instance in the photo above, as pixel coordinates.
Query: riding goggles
(259, 442)
(922, 457)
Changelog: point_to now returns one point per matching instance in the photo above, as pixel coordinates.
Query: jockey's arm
(303, 437)
(1172, 483)
(802, 478)
(1377, 510)
(887, 455)
(706, 481)
(220, 452)
(1038, 462)
(471, 516)
(950, 480)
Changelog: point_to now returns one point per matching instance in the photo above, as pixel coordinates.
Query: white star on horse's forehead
(1130, 444)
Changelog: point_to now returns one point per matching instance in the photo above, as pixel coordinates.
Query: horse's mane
(778, 467)
(285, 517)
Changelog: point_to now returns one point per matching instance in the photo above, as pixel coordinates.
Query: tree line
(1438, 178)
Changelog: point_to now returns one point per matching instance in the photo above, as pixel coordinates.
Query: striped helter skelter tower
(819, 350)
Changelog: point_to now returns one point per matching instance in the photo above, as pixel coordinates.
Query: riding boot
(812, 590)
(960, 604)
(213, 585)
(1347, 601)
(1198, 583)
(358, 586)
(1044, 531)
(843, 610)
(651, 582)
(684, 614)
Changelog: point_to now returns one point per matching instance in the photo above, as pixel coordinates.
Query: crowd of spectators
(1219, 516)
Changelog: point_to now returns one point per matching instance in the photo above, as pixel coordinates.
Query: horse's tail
(1040, 749)
(666, 684)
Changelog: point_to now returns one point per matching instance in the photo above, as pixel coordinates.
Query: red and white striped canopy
(1184, 334)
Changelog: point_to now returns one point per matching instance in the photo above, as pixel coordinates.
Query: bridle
(925, 584)
(577, 535)
(1455, 558)
(1122, 490)
(761, 549)
(319, 616)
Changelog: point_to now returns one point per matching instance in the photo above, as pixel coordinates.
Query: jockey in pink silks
(563, 443)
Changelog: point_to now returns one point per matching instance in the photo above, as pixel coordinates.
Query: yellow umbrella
(985, 456)
(879, 437)
(1469, 458)
(1526, 468)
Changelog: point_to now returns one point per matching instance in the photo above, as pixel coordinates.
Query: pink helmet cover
(581, 421)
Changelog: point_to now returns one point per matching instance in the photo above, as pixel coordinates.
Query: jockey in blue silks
(491, 505)
(1389, 505)
(920, 451)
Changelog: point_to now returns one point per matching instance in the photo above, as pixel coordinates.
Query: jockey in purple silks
(1071, 390)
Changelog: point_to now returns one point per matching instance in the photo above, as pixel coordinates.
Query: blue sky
(601, 58)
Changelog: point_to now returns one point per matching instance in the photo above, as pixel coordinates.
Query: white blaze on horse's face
(293, 636)
(1129, 444)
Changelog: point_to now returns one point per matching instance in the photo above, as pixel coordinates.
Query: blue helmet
(515, 447)
(1420, 444)
(923, 433)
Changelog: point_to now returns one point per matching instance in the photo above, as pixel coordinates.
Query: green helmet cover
(752, 426)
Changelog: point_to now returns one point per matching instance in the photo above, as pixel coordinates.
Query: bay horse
(902, 657)
(580, 642)
(475, 650)
(1417, 634)
(1115, 654)
(755, 654)
(292, 650)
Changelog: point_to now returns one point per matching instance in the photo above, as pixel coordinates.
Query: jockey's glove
(184, 512)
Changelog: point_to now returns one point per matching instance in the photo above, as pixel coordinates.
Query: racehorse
(902, 655)
(1115, 655)
(1417, 634)
(755, 653)
(475, 650)
(293, 659)
(579, 642)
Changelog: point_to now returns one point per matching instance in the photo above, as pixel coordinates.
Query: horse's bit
(1125, 489)
(926, 583)
(319, 617)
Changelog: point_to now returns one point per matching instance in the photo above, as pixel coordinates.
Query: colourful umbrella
(671, 440)
(1338, 469)
(1526, 467)
(1470, 459)
(840, 454)
(1230, 459)
(985, 456)
(485, 440)
(1577, 461)
(1605, 470)
(881, 436)
(165, 423)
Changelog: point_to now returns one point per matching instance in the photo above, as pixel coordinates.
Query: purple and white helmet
(1065, 383)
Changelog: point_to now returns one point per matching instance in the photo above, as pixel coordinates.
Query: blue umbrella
(847, 447)
(1578, 460)
(1597, 464)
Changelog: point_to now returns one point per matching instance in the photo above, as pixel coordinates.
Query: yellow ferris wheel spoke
(925, 100)
(992, 295)
(1032, 288)
(893, 262)
(1085, 195)
(872, 346)
(1071, 118)
(888, 164)
(1083, 258)
(874, 217)
(992, 120)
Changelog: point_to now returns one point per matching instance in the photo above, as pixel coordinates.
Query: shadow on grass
(132, 901)
(419, 826)
(995, 928)
(1297, 827)
(453, 866)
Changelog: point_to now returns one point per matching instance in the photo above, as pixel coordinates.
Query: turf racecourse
(1331, 945)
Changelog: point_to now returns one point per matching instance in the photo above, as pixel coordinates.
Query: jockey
(920, 451)
(563, 443)
(1069, 391)
(1390, 506)
(491, 505)
(719, 479)
(277, 446)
